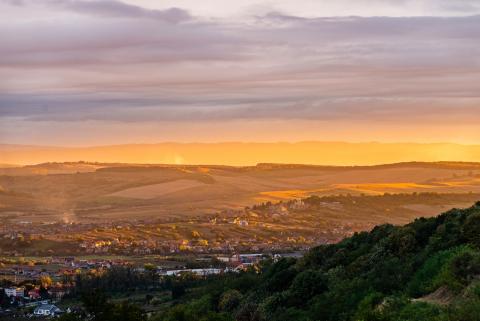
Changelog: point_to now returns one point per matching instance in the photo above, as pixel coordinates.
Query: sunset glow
(240, 160)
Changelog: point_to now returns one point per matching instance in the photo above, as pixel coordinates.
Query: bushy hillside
(426, 270)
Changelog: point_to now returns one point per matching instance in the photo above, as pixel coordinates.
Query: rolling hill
(138, 191)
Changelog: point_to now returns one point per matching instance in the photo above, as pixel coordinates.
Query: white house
(14, 292)
(199, 272)
(47, 310)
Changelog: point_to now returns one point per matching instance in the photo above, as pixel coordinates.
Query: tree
(230, 300)
(248, 312)
(96, 303)
(126, 312)
(305, 286)
(46, 281)
(4, 300)
(471, 229)
(43, 292)
(70, 317)
(178, 290)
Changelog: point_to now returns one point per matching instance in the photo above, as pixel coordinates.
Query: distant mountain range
(237, 153)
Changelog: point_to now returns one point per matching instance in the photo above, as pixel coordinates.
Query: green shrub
(425, 279)
(459, 270)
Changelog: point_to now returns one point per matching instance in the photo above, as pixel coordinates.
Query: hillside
(426, 270)
(137, 191)
(289, 226)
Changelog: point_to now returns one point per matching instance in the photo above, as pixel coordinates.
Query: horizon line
(413, 162)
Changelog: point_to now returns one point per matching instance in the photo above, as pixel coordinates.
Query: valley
(135, 209)
(92, 192)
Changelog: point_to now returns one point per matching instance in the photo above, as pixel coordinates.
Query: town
(265, 228)
(40, 289)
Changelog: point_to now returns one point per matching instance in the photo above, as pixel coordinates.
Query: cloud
(88, 41)
(460, 6)
(152, 65)
(232, 9)
(118, 108)
(108, 8)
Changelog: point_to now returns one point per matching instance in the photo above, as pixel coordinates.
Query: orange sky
(317, 153)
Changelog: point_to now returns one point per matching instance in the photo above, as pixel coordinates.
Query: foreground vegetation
(426, 270)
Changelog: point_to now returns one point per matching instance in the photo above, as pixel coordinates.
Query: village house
(198, 272)
(47, 310)
(58, 292)
(15, 292)
(250, 258)
(34, 294)
(240, 221)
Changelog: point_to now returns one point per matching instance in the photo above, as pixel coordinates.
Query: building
(14, 292)
(47, 310)
(58, 292)
(34, 294)
(294, 255)
(240, 222)
(225, 259)
(198, 272)
(251, 258)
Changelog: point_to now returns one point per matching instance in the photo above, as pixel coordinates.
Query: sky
(100, 72)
